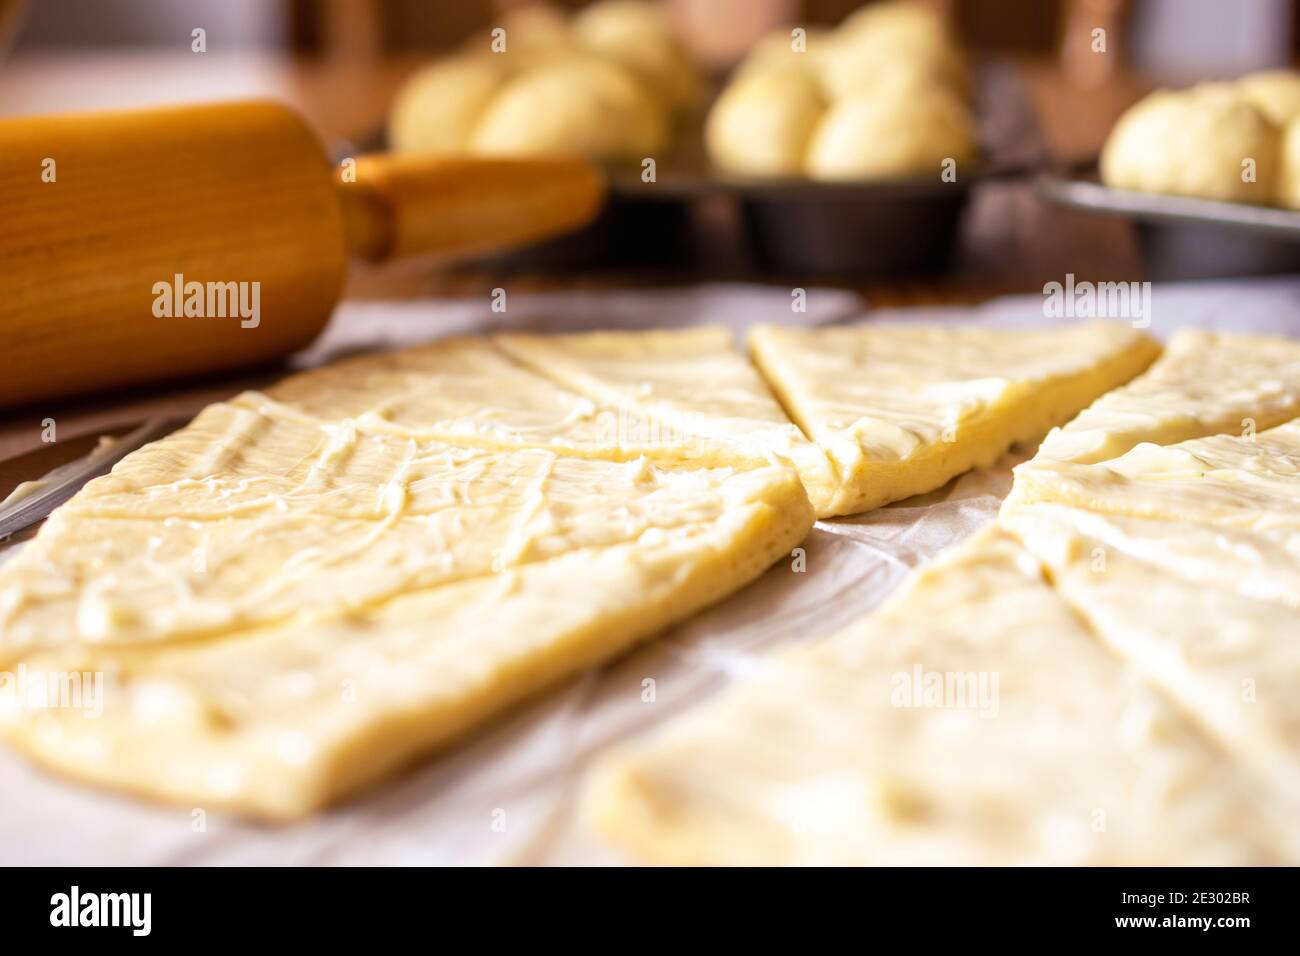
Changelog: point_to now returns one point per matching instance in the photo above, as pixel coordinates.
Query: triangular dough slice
(1205, 383)
(694, 402)
(900, 410)
(280, 720)
(1224, 480)
(241, 519)
(684, 382)
(1258, 563)
(460, 390)
(1040, 747)
(1231, 661)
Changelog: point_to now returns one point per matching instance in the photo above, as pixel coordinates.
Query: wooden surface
(1012, 241)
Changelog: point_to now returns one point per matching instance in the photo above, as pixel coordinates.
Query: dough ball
(1194, 143)
(899, 16)
(890, 37)
(639, 36)
(1289, 188)
(1276, 93)
(438, 109)
(536, 27)
(580, 105)
(763, 121)
(846, 73)
(775, 51)
(884, 134)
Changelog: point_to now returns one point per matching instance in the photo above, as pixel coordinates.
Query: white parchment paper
(509, 793)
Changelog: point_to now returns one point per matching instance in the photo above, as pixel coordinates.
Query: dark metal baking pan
(1185, 238)
(800, 227)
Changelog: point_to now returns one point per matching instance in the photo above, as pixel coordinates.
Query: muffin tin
(1185, 238)
(796, 227)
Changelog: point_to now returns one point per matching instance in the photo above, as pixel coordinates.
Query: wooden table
(1013, 241)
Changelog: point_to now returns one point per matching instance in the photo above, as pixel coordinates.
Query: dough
(533, 28)
(638, 35)
(1289, 190)
(1275, 93)
(656, 377)
(307, 588)
(586, 106)
(907, 129)
(885, 38)
(1205, 383)
(834, 755)
(278, 721)
(1194, 143)
(902, 409)
(762, 123)
(1229, 659)
(882, 96)
(619, 396)
(244, 519)
(438, 109)
(603, 85)
(1242, 481)
(776, 51)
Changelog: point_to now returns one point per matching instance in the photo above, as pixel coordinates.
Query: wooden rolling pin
(117, 228)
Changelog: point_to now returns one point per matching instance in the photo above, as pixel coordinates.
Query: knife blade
(28, 505)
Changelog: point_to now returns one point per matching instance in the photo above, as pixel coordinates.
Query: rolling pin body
(137, 246)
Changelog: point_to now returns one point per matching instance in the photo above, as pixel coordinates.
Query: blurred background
(342, 63)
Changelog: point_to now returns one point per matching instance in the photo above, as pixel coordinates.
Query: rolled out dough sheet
(971, 720)
(276, 595)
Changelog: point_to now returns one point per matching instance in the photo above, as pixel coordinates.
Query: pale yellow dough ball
(877, 135)
(638, 35)
(845, 73)
(439, 108)
(580, 105)
(763, 121)
(1289, 188)
(890, 38)
(900, 16)
(538, 26)
(1199, 142)
(1276, 93)
(776, 51)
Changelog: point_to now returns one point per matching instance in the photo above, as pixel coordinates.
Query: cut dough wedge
(241, 519)
(1205, 383)
(683, 398)
(306, 588)
(1242, 482)
(278, 721)
(1230, 660)
(901, 410)
(1258, 563)
(691, 383)
(1040, 747)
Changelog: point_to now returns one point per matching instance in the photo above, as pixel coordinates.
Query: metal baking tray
(1184, 238)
